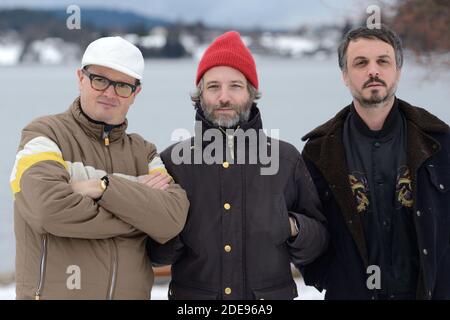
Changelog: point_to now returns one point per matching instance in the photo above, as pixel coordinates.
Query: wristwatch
(104, 183)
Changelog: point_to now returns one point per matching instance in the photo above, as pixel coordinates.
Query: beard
(376, 99)
(242, 113)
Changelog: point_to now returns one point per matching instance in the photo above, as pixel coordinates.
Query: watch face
(105, 179)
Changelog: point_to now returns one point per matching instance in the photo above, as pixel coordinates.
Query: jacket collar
(325, 150)
(421, 118)
(393, 120)
(420, 124)
(96, 129)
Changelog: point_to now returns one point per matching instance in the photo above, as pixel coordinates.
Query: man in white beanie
(87, 194)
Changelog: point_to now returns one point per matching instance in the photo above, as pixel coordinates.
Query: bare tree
(424, 26)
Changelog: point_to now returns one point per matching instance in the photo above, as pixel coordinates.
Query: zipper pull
(37, 296)
(106, 138)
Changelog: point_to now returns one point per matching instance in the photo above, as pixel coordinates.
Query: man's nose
(373, 70)
(110, 92)
(224, 96)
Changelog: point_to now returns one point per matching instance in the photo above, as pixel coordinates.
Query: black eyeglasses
(99, 83)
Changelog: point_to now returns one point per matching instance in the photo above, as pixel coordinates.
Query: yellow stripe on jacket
(27, 162)
(156, 165)
(34, 151)
(44, 149)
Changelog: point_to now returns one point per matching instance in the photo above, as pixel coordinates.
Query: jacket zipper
(230, 144)
(107, 152)
(114, 271)
(114, 262)
(42, 265)
(230, 141)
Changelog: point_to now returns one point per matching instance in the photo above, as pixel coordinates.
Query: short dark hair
(383, 33)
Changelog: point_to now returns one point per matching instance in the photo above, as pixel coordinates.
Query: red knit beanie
(229, 50)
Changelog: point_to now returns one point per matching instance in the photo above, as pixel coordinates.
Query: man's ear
(135, 93)
(345, 77)
(80, 76)
(399, 74)
(138, 89)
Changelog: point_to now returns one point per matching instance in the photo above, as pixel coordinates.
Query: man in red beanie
(245, 225)
(227, 55)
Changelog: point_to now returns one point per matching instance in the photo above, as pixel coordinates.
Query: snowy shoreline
(159, 291)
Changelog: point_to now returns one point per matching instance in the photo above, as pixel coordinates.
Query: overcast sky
(237, 13)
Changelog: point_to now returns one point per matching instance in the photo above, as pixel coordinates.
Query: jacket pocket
(287, 291)
(42, 267)
(280, 226)
(440, 177)
(182, 292)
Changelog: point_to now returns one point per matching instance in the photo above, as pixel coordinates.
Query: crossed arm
(92, 187)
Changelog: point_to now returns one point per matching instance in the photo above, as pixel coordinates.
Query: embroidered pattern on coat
(360, 189)
(403, 190)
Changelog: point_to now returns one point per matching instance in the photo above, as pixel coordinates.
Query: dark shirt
(381, 183)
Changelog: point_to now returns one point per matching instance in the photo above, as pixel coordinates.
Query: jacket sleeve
(164, 254)
(45, 199)
(159, 213)
(312, 238)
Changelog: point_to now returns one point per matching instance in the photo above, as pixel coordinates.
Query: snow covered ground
(8, 292)
(159, 292)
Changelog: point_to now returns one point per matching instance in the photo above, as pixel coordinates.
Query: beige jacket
(72, 247)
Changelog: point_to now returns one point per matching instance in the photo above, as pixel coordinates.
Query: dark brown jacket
(237, 243)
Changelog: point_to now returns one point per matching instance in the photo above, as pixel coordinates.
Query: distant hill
(39, 24)
(103, 20)
(114, 19)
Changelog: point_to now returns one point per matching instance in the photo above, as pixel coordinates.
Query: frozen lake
(298, 95)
